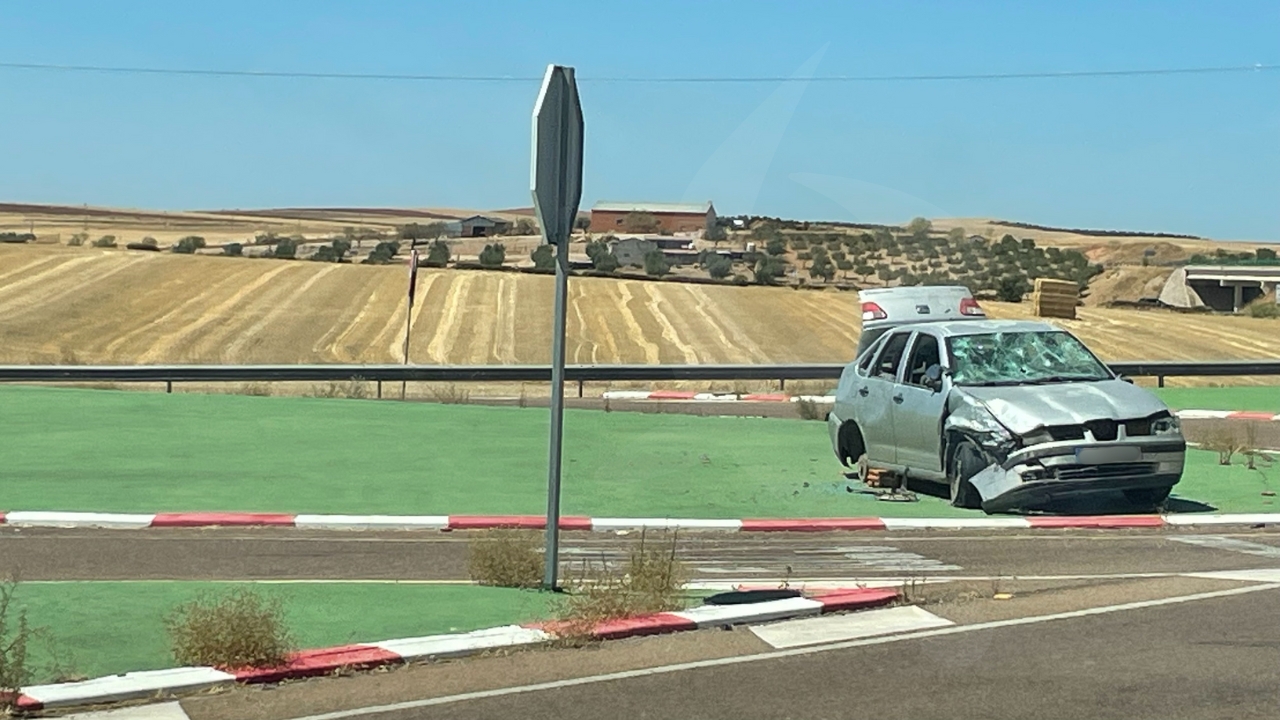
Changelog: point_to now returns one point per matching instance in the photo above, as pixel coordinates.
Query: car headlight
(1166, 426)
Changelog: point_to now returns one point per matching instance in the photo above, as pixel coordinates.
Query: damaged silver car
(1010, 414)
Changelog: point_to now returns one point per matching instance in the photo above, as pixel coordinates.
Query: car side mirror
(933, 378)
(1125, 378)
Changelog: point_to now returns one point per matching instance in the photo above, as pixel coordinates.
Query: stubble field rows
(111, 306)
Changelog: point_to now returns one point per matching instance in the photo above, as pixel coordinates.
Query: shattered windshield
(1016, 358)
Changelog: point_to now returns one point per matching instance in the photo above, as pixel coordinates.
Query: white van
(886, 308)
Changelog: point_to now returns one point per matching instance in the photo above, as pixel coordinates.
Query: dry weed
(810, 410)
(450, 394)
(235, 629)
(651, 581)
(15, 636)
(257, 389)
(507, 558)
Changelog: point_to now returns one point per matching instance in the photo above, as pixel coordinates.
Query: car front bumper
(1043, 473)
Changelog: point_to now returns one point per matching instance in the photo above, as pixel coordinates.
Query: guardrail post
(580, 382)
(1159, 381)
(782, 383)
(168, 386)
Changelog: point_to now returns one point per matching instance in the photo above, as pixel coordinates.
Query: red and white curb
(120, 521)
(312, 663)
(1227, 415)
(693, 396)
(690, 396)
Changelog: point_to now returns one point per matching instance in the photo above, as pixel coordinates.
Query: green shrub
(719, 267)
(106, 241)
(655, 264)
(189, 244)
(1011, 288)
(543, 256)
(493, 255)
(233, 249)
(235, 629)
(438, 254)
(1264, 309)
(286, 248)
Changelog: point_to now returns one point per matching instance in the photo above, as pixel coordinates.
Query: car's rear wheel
(1147, 497)
(967, 461)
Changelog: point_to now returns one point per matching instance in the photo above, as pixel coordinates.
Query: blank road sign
(557, 154)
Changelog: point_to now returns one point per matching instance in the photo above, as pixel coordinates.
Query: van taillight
(969, 306)
(872, 311)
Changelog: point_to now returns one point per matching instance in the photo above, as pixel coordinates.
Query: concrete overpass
(1226, 288)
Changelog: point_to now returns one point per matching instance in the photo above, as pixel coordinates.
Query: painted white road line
(161, 711)
(1267, 575)
(1217, 542)
(776, 654)
(838, 628)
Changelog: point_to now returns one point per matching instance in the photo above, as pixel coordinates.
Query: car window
(1015, 358)
(869, 337)
(924, 354)
(887, 362)
(868, 357)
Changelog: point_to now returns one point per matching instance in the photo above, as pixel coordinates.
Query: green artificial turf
(113, 451)
(1259, 397)
(103, 628)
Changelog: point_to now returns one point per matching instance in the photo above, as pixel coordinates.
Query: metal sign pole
(557, 189)
(408, 320)
(552, 562)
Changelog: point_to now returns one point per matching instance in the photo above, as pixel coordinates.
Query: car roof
(982, 327)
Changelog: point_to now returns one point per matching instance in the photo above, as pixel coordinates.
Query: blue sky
(1196, 154)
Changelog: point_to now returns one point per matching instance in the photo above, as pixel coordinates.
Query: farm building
(1226, 288)
(670, 217)
(631, 249)
(482, 226)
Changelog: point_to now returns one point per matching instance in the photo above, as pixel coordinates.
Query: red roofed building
(671, 217)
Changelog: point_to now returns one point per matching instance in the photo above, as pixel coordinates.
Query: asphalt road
(267, 553)
(1208, 659)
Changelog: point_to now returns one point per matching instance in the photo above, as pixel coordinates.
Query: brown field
(85, 305)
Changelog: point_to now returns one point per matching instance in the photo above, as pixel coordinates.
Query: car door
(873, 406)
(917, 408)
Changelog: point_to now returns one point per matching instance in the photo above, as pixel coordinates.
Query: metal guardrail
(580, 374)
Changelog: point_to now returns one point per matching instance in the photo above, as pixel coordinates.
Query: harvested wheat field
(87, 305)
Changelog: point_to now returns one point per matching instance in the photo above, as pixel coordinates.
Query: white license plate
(1104, 455)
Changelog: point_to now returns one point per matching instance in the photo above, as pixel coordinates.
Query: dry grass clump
(507, 558)
(234, 629)
(651, 580)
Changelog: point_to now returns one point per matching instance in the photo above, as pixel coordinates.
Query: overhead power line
(124, 70)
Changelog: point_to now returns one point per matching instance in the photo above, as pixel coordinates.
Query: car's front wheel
(967, 461)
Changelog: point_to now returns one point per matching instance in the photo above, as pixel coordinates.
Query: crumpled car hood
(1023, 408)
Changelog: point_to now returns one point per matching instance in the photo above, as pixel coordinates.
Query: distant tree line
(1261, 256)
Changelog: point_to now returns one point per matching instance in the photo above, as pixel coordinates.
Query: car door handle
(898, 398)
(863, 391)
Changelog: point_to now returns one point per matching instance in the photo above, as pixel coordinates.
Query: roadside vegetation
(649, 580)
(236, 628)
(506, 558)
(15, 636)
